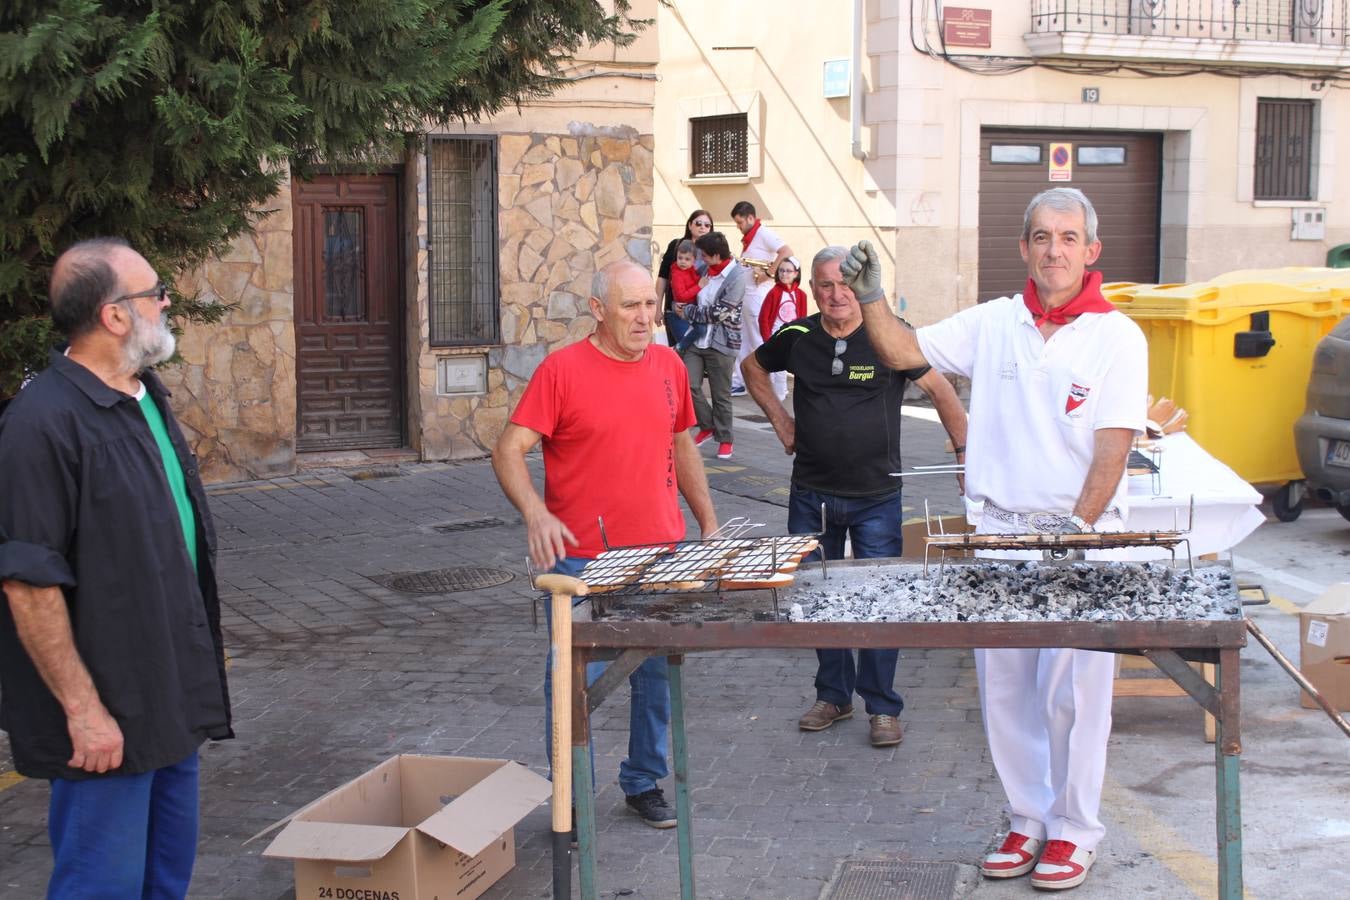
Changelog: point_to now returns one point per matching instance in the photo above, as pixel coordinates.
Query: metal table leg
(1227, 797)
(680, 748)
(584, 793)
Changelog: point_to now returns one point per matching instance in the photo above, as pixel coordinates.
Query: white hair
(828, 254)
(1062, 199)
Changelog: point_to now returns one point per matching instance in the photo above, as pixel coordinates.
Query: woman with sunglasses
(699, 223)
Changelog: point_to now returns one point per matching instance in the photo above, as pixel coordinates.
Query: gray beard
(149, 344)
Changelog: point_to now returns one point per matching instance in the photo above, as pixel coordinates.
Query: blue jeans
(872, 525)
(648, 711)
(676, 327)
(122, 837)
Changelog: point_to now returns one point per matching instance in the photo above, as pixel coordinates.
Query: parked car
(1322, 435)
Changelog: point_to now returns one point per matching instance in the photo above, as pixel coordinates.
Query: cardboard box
(1324, 646)
(412, 828)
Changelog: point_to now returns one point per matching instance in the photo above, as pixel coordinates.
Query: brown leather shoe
(822, 715)
(886, 731)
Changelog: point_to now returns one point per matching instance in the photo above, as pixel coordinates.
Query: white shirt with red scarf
(1035, 404)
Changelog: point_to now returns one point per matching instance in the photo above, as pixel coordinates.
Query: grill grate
(690, 566)
(885, 879)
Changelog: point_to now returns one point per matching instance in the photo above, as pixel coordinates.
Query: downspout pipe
(856, 89)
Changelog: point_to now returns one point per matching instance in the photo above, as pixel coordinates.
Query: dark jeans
(120, 836)
(648, 711)
(872, 525)
(716, 367)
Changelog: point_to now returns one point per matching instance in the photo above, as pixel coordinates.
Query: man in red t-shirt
(613, 413)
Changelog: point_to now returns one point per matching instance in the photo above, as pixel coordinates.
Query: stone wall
(234, 391)
(568, 203)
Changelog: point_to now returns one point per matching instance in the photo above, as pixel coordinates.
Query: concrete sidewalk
(332, 671)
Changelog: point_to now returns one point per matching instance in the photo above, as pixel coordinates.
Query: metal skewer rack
(1054, 546)
(725, 560)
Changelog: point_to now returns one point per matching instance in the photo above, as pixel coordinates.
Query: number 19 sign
(1061, 162)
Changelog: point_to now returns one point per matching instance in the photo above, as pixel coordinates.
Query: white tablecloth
(1225, 505)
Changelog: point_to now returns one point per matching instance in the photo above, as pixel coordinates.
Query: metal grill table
(639, 626)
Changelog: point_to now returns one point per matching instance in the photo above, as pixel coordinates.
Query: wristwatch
(1081, 524)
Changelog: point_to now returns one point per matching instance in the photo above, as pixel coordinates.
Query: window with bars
(720, 145)
(1284, 149)
(462, 241)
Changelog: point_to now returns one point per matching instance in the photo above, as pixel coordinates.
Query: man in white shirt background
(760, 242)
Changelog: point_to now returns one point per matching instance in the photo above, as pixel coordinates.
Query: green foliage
(167, 123)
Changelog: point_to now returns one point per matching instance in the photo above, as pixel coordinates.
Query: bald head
(605, 283)
(623, 302)
(83, 278)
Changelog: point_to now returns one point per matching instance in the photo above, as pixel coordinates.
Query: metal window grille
(462, 277)
(1284, 140)
(1298, 21)
(721, 145)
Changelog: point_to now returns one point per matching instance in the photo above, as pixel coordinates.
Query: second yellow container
(1235, 352)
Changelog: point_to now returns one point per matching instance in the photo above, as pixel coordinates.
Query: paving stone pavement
(332, 672)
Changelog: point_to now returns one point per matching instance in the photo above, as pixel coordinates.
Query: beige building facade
(400, 313)
(1204, 131)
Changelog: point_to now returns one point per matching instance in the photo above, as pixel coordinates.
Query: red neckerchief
(773, 304)
(1089, 300)
(749, 236)
(714, 271)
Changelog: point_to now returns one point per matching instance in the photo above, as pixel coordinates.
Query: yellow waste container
(1236, 351)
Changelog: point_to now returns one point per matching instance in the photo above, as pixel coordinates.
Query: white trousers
(1047, 717)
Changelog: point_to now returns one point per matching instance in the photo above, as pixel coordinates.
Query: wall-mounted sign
(963, 26)
(1092, 95)
(836, 78)
(1061, 162)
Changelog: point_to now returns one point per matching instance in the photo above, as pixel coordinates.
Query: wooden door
(347, 313)
(1121, 173)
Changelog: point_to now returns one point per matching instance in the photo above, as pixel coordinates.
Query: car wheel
(1284, 510)
(1344, 510)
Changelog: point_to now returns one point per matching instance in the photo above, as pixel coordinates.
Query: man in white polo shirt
(758, 241)
(1058, 392)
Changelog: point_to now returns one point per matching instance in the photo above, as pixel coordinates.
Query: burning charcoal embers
(1020, 592)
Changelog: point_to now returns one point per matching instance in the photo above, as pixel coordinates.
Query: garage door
(1121, 174)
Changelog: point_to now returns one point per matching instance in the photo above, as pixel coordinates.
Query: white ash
(1021, 592)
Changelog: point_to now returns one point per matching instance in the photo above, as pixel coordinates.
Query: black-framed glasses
(160, 292)
(702, 223)
(837, 364)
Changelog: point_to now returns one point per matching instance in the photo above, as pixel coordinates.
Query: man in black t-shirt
(845, 433)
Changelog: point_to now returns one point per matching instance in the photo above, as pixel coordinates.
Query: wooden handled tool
(562, 589)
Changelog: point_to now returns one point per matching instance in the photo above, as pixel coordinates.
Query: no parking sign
(1061, 162)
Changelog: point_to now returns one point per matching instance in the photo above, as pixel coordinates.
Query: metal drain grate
(444, 581)
(470, 525)
(369, 474)
(886, 879)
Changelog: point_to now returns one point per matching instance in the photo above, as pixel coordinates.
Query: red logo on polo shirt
(1078, 395)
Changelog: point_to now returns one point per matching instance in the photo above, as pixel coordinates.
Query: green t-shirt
(173, 470)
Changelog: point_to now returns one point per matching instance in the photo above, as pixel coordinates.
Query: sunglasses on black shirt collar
(837, 364)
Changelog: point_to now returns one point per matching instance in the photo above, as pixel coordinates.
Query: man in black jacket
(112, 669)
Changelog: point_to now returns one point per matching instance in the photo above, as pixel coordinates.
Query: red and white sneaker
(702, 437)
(1016, 856)
(724, 450)
(1063, 865)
